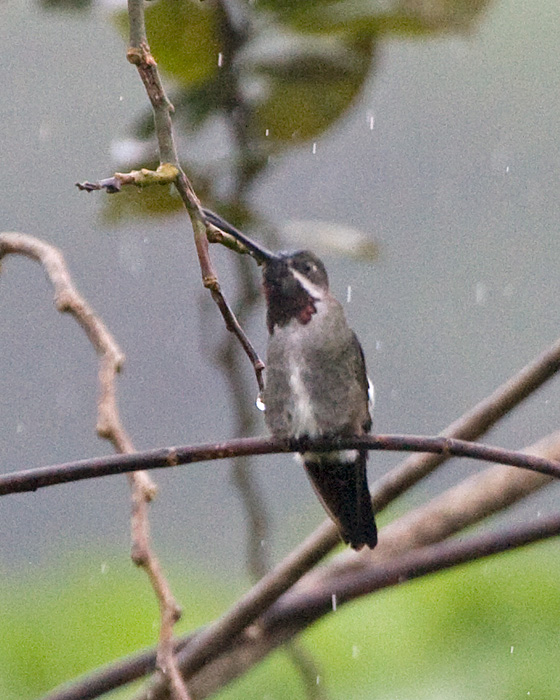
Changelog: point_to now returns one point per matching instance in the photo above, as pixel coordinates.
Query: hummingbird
(316, 383)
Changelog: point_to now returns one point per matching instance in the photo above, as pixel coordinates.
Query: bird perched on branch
(316, 383)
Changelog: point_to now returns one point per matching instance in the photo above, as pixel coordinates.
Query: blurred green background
(430, 130)
(486, 630)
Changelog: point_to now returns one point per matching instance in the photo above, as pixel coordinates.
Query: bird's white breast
(303, 416)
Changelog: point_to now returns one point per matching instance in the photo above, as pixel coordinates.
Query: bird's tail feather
(343, 490)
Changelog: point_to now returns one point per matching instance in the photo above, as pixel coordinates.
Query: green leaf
(309, 85)
(183, 37)
(376, 16)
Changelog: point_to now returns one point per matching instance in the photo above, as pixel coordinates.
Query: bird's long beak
(261, 254)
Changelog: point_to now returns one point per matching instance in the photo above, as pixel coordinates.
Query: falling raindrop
(314, 148)
(349, 294)
(333, 599)
(481, 293)
(220, 59)
(259, 403)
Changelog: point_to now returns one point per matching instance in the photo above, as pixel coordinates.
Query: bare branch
(33, 479)
(165, 174)
(139, 54)
(474, 499)
(170, 171)
(313, 603)
(474, 423)
(68, 299)
(476, 496)
(109, 426)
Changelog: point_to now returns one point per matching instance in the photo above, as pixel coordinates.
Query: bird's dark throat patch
(282, 307)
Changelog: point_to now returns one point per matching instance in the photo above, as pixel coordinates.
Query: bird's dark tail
(343, 490)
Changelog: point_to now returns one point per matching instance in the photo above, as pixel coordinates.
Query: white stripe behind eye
(312, 289)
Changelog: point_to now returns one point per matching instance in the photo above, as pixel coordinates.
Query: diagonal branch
(300, 610)
(486, 496)
(139, 54)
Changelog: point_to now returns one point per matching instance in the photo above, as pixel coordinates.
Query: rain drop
(220, 59)
(314, 148)
(333, 599)
(349, 294)
(259, 403)
(481, 293)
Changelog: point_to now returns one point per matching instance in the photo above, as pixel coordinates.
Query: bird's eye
(310, 267)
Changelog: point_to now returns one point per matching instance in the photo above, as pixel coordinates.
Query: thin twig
(170, 172)
(139, 54)
(109, 425)
(165, 174)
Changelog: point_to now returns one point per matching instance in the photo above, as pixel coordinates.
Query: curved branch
(109, 426)
(68, 300)
(33, 479)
